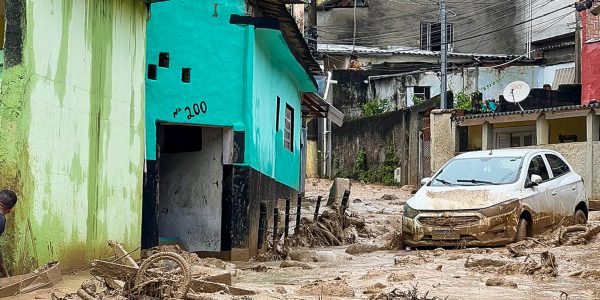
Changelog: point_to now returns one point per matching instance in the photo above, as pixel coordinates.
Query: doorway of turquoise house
(190, 187)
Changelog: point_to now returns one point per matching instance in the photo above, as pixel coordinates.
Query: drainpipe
(578, 45)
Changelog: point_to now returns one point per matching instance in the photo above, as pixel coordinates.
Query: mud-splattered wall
(191, 189)
(390, 137)
(72, 128)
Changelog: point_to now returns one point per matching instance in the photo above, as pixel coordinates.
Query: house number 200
(196, 109)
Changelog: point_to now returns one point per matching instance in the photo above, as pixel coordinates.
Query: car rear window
(558, 166)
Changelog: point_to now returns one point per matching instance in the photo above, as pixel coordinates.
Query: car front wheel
(522, 233)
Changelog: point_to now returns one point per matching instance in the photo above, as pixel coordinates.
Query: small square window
(152, 72)
(163, 60)
(186, 75)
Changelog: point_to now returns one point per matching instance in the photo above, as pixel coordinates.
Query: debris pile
(559, 236)
(361, 248)
(591, 274)
(545, 266)
(165, 272)
(327, 231)
(398, 294)
(333, 288)
(498, 281)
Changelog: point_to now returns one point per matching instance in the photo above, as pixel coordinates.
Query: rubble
(398, 277)
(296, 264)
(545, 266)
(389, 197)
(164, 272)
(43, 277)
(591, 274)
(376, 288)
(327, 231)
(559, 236)
(333, 288)
(497, 281)
(398, 294)
(361, 248)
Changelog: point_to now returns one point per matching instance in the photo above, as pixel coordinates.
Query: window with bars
(515, 139)
(288, 134)
(431, 36)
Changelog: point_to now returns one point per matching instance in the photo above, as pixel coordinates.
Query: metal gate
(424, 148)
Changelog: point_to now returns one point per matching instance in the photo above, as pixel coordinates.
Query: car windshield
(479, 171)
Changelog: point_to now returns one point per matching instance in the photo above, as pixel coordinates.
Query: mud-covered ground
(441, 273)
(331, 273)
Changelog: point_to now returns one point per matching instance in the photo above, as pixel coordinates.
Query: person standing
(8, 199)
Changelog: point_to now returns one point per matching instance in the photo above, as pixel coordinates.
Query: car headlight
(409, 212)
(500, 209)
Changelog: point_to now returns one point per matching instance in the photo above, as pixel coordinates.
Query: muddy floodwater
(479, 273)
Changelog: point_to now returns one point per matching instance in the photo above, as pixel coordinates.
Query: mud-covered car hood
(463, 197)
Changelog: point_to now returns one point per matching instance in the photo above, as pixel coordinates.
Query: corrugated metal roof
(347, 49)
(531, 111)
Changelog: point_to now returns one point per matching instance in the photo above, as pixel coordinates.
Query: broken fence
(297, 213)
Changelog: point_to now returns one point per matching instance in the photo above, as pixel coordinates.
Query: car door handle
(554, 193)
(574, 188)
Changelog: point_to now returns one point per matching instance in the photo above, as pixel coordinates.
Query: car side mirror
(425, 180)
(534, 181)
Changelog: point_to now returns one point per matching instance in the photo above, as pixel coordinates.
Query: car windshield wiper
(475, 181)
(443, 181)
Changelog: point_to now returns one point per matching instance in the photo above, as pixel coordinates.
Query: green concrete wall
(72, 132)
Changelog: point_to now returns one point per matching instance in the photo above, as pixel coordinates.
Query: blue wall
(236, 70)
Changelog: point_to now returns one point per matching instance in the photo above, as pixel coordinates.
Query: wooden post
(286, 227)
(316, 218)
(275, 223)
(345, 200)
(298, 212)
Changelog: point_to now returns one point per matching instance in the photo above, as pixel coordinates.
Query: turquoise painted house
(227, 86)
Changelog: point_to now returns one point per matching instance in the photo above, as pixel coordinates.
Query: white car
(492, 198)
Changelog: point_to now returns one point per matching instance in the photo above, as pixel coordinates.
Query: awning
(315, 106)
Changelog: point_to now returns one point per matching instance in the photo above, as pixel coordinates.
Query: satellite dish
(516, 92)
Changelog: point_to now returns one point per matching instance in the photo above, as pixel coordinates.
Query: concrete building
(227, 87)
(590, 52)
(486, 27)
(571, 130)
(72, 128)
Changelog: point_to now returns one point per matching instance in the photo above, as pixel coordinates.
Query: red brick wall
(592, 26)
(590, 58)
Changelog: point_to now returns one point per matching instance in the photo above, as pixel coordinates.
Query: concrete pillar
(593, 127)
(312, 159)
(542, 130)
(443, 138)
(593, 135)
(487, 136)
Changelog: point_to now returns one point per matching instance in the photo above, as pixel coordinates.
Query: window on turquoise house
(288, 136)
(277, 114)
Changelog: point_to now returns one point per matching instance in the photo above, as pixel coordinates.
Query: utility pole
(312, 13)
(443, 55)
(312, 125)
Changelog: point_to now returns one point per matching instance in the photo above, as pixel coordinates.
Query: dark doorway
(185, 204)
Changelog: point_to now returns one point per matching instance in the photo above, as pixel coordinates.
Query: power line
(405, 38)
(496, 30)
